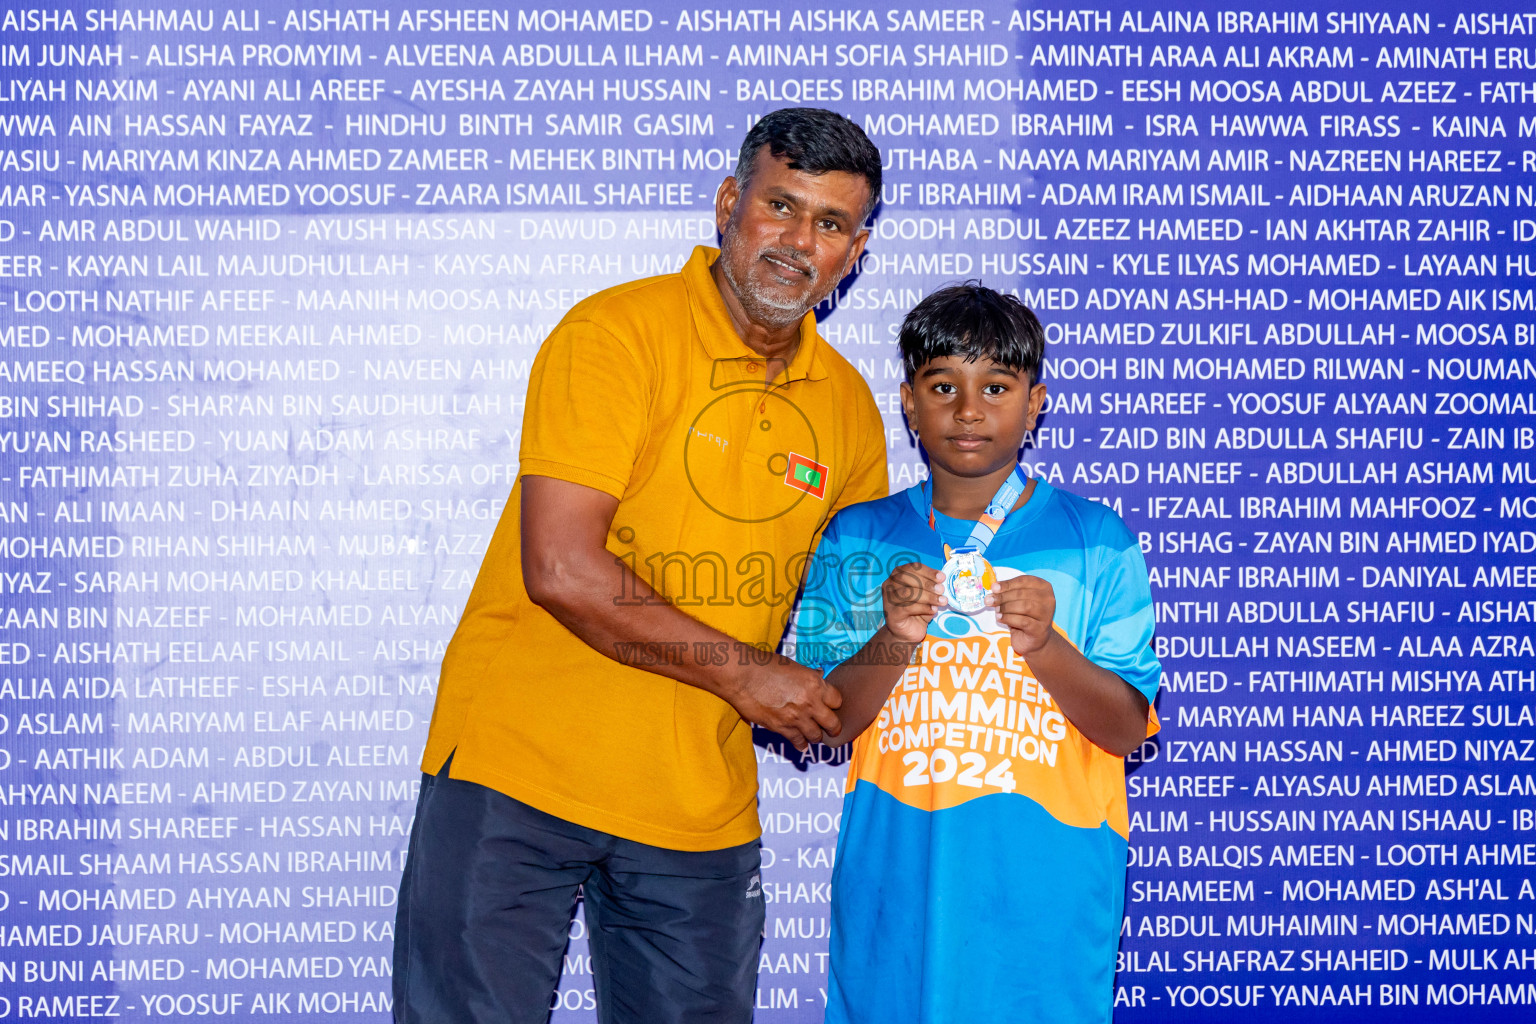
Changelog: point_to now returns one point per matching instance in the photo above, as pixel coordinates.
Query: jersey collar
(917, 499)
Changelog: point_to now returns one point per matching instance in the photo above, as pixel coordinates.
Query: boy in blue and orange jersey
(991, 685)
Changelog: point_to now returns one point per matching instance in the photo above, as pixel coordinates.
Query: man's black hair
(972, 321)
(816, 141)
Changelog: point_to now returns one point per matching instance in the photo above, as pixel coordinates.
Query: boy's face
(971, 416)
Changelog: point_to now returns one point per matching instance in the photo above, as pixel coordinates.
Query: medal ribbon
(992, 519)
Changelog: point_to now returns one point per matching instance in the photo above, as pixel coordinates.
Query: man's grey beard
(761, 309)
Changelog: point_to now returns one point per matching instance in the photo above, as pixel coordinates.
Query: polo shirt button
(765, 425)
(762, 406)
(753, 367)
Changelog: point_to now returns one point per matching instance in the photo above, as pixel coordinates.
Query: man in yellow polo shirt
(687, 438)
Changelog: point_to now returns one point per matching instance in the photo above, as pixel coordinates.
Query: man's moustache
(795, 259)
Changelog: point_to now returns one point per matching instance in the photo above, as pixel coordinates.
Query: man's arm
(870, 478)
(569, 572)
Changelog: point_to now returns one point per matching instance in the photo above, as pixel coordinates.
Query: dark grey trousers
(489, 892)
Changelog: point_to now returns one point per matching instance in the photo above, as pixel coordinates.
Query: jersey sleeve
(589, 409)
(1123, 624)
(840, 606)
(870, 478)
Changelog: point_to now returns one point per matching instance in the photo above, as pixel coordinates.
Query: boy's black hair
(816, 141)
(972, 321)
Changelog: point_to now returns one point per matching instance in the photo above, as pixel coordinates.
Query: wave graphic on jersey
(968, 719)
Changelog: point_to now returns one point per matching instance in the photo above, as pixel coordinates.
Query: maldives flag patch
(805, 475)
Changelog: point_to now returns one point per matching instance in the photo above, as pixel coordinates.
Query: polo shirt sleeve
(589, 409)
(837, 613)
(869, 479)
(1120, 639)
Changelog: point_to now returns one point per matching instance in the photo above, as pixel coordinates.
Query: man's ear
(726, 197)
(859, 241)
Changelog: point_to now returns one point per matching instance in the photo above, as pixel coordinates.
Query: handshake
(799, 704)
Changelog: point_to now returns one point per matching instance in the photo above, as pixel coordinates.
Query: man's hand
(913, 595)
(790, 699)
(1026, 605)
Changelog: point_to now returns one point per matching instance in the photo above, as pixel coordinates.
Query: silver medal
(968, 576)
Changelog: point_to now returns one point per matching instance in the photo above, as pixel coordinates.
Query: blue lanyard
(992, 519)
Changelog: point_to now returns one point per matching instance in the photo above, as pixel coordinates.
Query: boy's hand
(913, 595)
(1026, 605)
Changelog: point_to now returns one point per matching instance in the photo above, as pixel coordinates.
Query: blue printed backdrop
(274, 277)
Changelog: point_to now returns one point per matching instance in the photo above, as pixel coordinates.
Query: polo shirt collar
(718, 335)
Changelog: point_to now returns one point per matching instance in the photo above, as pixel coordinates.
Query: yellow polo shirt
(725, 481)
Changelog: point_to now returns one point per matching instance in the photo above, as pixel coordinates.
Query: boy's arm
(837, 607)
(912, 595)
(1105, 708)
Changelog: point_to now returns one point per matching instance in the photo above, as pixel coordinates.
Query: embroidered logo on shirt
(806, 475)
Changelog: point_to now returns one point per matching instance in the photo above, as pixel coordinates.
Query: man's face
(789, 238)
